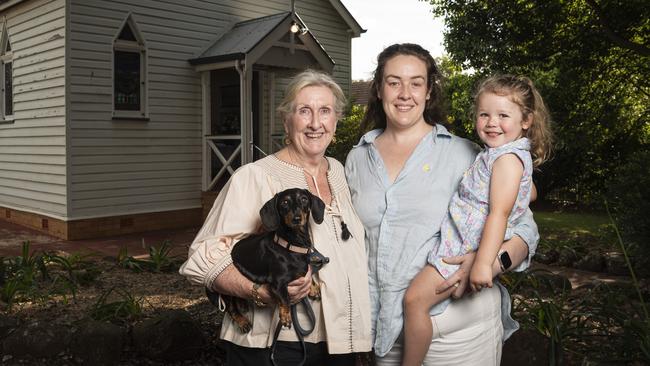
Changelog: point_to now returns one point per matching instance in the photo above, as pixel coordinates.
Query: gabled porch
(243, 77)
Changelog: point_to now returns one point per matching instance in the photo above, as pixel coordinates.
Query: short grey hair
(310, 78)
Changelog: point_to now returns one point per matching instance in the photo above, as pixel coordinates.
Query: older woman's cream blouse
(343, 314)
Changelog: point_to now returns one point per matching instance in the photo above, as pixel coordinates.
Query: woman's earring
(334, 139)
(287, 141)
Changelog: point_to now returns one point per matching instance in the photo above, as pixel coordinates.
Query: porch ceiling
(268, 41)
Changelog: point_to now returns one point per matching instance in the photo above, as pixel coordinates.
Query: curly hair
(522, 92)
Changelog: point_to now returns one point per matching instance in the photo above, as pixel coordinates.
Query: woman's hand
(460, 278)
(299, 288)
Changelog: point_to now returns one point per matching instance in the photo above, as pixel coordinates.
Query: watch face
(505, 260)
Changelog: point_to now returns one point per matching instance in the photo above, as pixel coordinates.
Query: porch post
(206, 118)
(245, 96)
(248, 107)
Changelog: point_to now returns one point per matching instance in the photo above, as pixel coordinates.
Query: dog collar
(285, 244)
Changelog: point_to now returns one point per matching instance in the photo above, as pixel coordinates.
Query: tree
(348, 132)
(591, 61)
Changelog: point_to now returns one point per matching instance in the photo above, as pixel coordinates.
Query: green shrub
(124, 309)
(348, 133)
(629, 199)
(160, 259)
(37, 276)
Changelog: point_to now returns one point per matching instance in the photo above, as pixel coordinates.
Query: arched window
(7, 76)
(129, 72)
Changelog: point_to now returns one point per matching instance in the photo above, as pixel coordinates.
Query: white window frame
(140, 47)
(6, 57)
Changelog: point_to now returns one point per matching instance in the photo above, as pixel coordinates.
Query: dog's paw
(314, 291)
(242, 322)
(287, 323)
(285, 316)
(245, 327)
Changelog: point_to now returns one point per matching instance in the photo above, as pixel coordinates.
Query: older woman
(402, 176)
(310, 110)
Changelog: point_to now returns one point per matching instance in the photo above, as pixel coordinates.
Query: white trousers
(468, 332)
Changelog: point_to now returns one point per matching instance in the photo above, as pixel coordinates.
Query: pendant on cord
(345, 233)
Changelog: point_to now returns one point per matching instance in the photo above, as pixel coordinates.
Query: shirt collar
(370, 136)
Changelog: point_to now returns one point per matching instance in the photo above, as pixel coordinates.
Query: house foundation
(104, 226)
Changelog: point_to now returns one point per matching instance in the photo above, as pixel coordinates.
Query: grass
(580, 232)
(571, 223)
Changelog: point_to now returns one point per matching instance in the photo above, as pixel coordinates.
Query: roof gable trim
(355, 27)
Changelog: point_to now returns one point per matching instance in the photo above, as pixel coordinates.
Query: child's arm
(507, 171)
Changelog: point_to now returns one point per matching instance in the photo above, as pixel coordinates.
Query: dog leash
(300, 331)
(316, 261)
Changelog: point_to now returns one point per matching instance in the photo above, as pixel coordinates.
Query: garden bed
(110, 290)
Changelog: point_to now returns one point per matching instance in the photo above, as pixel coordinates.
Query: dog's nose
(296, 220)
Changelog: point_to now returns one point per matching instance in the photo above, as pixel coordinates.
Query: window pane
(127, 81)
(9, 90)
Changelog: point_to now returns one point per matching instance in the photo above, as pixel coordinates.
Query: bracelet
(256, 296)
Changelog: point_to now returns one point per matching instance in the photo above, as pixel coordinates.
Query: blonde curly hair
(521, 91)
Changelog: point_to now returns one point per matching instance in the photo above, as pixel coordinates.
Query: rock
(642, 266)
(615, 264)
(551, 284)
(7, 325)
(37, 340)
(97, 343)
(171, 336)
(593, 262)
(549, 257)
(566, 257)
(525, 347)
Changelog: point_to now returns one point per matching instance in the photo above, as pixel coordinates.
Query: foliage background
(591, 61)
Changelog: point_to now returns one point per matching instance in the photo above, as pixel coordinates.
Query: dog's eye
(304, 200)
(284, 203)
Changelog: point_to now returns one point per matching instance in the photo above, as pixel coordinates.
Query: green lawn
(581, 231)
(575, 223)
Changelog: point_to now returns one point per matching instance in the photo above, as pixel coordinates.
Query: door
(225, 136)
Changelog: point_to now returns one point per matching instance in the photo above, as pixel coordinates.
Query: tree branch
(613, 36)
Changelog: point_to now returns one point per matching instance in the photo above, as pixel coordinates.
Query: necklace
(345, 232)
(306, 171)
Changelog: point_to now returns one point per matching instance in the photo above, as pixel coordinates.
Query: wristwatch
(504, 260)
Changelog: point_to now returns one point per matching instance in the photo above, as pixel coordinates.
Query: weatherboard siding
(332, 32)
(121, 167)
(33, 146)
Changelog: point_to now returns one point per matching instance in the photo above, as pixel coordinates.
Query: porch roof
(251, 39)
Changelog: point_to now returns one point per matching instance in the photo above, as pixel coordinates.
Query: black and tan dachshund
(280, 255)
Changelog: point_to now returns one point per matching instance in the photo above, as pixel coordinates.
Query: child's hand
(480, 276)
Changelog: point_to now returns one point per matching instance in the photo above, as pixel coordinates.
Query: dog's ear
(270, 215)
(317, 208)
